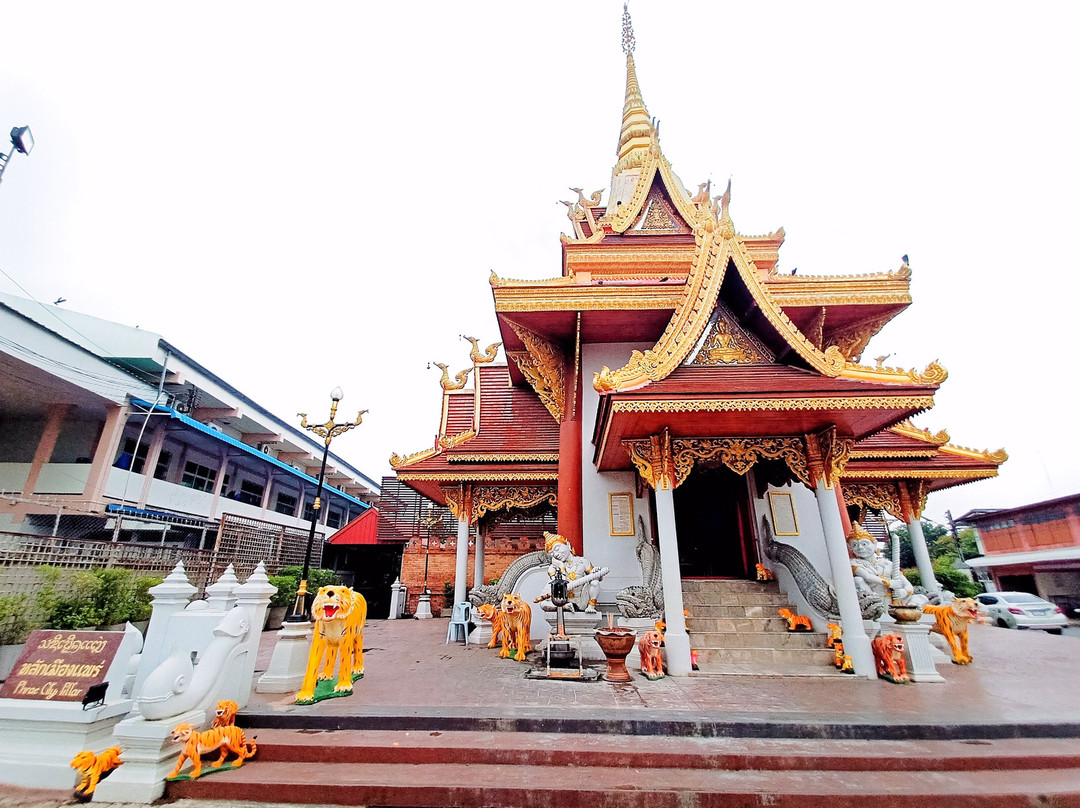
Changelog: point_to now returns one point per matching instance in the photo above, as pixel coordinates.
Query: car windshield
(1022, 598)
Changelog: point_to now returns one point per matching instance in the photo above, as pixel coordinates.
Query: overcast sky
(302, 196)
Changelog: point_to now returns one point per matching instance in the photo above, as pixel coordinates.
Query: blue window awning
(265, 458)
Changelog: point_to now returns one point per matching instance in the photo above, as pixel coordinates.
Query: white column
(461, 559)
(856, 643)
(676, 640)
(922, 555)
(478, 559)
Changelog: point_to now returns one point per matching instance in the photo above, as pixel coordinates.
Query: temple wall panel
(810, 538)
(599, 546)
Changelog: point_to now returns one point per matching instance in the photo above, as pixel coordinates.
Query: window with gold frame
(784, 520)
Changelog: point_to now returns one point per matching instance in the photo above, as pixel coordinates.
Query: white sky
(301, 196)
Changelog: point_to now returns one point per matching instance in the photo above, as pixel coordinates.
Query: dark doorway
(369, 569)
(1018, 583)
(712, 519)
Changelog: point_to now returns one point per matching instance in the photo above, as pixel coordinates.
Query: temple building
(669, 387)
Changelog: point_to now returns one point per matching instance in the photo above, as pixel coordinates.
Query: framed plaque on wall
(621, 514)
(782, 505)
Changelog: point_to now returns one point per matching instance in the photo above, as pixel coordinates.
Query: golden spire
(637, 129)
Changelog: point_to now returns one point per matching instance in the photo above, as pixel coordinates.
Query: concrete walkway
(1021, 684)
(1019, 679)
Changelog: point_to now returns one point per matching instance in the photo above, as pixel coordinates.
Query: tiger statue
(94, 768)
(952, 623)
(225, 713)
(842, 661)
(889, 658)
(764, 573)
(652, 660)
(488, 611)
(517, 625)
(796, 622)
(836, 634)
(227, 739)
(338, 640)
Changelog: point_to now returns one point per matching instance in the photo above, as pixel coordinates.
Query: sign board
(61, 665)
(621, 514)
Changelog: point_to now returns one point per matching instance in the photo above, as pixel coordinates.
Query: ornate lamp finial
(627, 31)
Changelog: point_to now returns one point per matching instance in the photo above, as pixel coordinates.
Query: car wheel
(1054, 631)
(1002, 623)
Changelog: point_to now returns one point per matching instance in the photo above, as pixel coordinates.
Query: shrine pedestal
(289, 661)
(582, 627)
(917, 651)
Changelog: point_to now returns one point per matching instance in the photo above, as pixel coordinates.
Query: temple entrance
(712, 519)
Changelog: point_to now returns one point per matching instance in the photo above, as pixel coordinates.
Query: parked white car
(1022, 610)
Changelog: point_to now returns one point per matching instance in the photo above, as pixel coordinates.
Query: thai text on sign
(61, 665)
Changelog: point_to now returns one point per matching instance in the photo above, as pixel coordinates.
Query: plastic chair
(460, 619)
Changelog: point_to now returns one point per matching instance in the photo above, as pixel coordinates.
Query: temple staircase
(736, 628)
(479, 769)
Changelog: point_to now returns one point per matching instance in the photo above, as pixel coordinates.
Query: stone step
(777, 598)
(727, 585)
(761, 639)
(704, 625)
(766, 657)
(737, 611)
(524, 770)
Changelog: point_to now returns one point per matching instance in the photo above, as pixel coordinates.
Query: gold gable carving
(486, 499)
(542, 364)
(727, 344)
(885, 496)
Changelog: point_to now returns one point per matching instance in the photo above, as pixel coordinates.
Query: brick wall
(498, 555)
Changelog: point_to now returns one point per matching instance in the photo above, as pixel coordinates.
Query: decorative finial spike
(627, 31)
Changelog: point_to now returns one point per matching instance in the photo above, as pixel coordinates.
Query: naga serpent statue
(818, 593)
(646, 600)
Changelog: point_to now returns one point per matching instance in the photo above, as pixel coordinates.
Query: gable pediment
(725, 342)
(658, 215)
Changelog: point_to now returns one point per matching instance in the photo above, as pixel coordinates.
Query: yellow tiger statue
(225, 713)
(92, 769)
(487, 611)
(196, 744)
(796, 622)
(338, 640)
(952, 623)
(517, 625)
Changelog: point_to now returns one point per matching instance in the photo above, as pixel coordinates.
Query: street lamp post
(328, 431)
(22, 141)
(423, 605)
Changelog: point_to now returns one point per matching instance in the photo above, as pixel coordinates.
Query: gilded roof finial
(637, 131)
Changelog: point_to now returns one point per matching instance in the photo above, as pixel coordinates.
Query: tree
(931, 532)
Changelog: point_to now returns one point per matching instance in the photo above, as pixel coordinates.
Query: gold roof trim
(468, 476)
(685, 327)
(998, 457)
(655, 163)
(399, 462)
(774, 404)
(566, 280)
(588, 298)
(909, 430)
(916, 474)
(536, 457)
(904, 273)
(934, 374)
(442, 442)
(868, 454)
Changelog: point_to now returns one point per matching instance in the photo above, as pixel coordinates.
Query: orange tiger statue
(764, 573)
(796, 622)
(196, 744)
(488, 611)
(338, 639)
(889, 658)
(652, 660)
(225, 713)
(92, 769)
(517, 625)
(952, 623)
(836, 634)
(841, 660)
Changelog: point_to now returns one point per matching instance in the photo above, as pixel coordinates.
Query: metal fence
(72, 537)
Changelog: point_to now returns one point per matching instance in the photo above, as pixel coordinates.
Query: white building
(81, 439)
